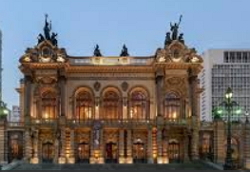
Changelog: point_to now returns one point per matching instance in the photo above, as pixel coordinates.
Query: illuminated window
(111, 105)
(49, 104)
(138, 105)
(84, 105)
(172, 106)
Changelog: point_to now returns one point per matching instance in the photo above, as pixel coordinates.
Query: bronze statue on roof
(124, 51)
(174, 31)
(47, 29)
(97, 51)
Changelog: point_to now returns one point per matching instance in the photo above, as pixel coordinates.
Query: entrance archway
(15, 147)
(139, 153)
(47, 152)
(83, 152)
(174, 151)
(111, 152)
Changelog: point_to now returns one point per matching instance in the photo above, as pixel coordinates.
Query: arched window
(172, 106)
(138, 105)
(49, 105)
(111, 105)
(84, 106)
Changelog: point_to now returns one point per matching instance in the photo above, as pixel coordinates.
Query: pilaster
(121, 146)
(159, 145)
(159, 87)
(247, 145)
(150, 147)
(219, 137)
(195, 138)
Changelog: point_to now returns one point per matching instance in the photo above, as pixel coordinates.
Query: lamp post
(229, 104)
(3, 110)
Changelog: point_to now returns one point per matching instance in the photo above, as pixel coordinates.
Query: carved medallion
(124, 86)
(174, 81)
(97, 86)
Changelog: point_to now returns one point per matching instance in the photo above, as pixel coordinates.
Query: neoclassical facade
(117, 109)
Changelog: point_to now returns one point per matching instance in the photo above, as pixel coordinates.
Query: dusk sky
(140, 24)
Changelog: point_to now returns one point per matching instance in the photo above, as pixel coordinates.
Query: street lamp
(229, 104)
(3, 110)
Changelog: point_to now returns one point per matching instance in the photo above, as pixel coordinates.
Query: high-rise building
(1, 65)
(225, 68)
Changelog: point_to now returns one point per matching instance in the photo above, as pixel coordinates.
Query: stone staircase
(116, 167)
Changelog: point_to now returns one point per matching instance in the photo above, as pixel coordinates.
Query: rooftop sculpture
(47, 36)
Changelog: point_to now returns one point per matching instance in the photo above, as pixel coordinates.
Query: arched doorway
(15, 147)
(47, 152)
(139, 152)
(111, 152)
(174, 151)
(83, 153)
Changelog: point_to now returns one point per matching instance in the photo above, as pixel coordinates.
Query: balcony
(110, 122)
(44, 121)
(15, 124)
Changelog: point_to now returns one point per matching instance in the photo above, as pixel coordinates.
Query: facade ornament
(97, 51)
(168, 39)
(124, 86)
(124, 51)
(47, 29)
(97, 86)
(174, 31)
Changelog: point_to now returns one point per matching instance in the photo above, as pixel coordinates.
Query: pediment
(177, 52)
(44, 52)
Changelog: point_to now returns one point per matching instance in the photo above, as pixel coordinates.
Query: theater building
(108, 109)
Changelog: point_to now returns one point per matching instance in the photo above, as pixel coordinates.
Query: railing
(15, 124)
(44, 121)
(126, 122)
(106, 122)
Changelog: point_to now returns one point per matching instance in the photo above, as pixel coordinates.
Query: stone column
(150, 146)
(121, 146)
(159, 87)
(27, 98)
(159, 145)
(195, 139)
(62, 84)
(71, 159)
(97, 108)
(35, 159)
(219, 138)
(129, 159)
(27, 145)
(193, 81)
(247, 146)
(125, 108)
(62, 146)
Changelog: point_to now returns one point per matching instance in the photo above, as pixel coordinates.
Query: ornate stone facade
(120, 109)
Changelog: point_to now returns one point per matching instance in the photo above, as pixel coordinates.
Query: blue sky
(140, 24)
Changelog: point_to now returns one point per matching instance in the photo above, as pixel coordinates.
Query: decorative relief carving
(175, 81)
(124, 86)
(97, 86)
(176, 84)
